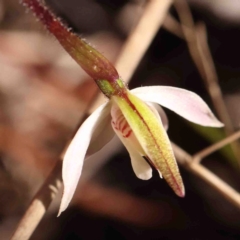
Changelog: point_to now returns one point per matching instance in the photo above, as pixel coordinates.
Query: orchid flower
(134, 116)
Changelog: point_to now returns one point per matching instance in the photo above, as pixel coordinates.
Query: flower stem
(92, 62)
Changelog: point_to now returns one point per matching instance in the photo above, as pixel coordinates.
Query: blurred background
(43, 94)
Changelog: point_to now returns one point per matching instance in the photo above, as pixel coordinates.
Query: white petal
(185, 103)
(140, 166)
(160, 174)
(75, 154)
(103, 132)
(160, 113)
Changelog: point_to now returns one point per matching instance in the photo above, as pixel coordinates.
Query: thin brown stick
(211, 77)
(39, 204)
(201, 55)
(173, 26)
(142, 36)
(213, 148)
(187, 162)
(42, 200)
(188, 28)
(196, 38)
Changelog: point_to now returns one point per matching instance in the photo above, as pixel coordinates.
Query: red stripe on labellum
(128, 134)
(120, 121)
(122, 125)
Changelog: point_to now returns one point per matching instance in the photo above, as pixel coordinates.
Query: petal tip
(61, 209)
(214, 122)
(219, 124)
(160, 174)
(181, 192)
(144, 178)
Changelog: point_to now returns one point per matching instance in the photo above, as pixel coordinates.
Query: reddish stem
(94, 63)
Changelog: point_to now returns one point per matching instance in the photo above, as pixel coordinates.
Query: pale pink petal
(185, 103)
(75, 154)
(119, 124)
(160, 113)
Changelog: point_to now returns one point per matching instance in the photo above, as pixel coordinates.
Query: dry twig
(213, 148)
(196, 38)
(187, 162)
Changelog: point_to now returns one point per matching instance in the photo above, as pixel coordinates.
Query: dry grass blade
(211, 77)
(173, 26)
(187, 162)
(211, 149)
(39, 204)
(196, 38)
